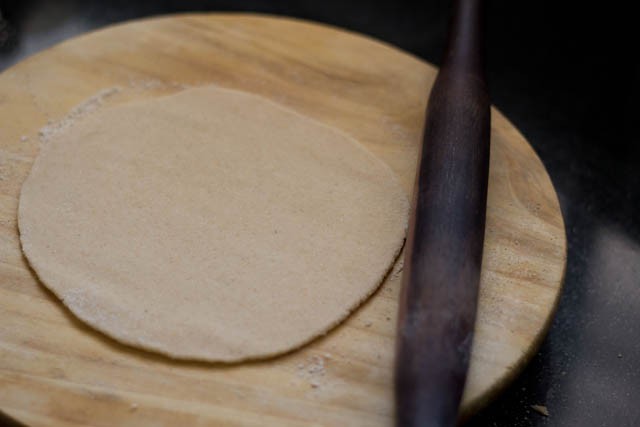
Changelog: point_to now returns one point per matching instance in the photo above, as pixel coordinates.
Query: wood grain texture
(56, 371)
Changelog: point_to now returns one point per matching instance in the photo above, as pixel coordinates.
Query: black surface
(569, 78)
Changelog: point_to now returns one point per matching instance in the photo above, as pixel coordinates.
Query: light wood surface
(55, 371)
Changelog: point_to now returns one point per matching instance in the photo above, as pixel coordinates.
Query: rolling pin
(443, 252)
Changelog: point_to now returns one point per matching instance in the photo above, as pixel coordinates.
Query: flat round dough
(211, 224)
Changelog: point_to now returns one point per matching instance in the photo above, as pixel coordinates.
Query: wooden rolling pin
(443, 253)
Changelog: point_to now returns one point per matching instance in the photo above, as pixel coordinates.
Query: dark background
(568, 76)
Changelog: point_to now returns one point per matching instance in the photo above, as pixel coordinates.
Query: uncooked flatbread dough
(211, 224)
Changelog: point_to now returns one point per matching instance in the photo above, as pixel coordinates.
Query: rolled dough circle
(211, 224)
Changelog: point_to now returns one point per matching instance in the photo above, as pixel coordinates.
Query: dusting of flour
(313, 370)
(93, 103)
(90, 105)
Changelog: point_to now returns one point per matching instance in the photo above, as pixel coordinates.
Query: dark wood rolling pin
(443, 253)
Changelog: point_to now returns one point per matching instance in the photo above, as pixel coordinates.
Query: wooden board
(55, 371)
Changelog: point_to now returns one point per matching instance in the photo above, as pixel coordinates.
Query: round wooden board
(55, 371)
